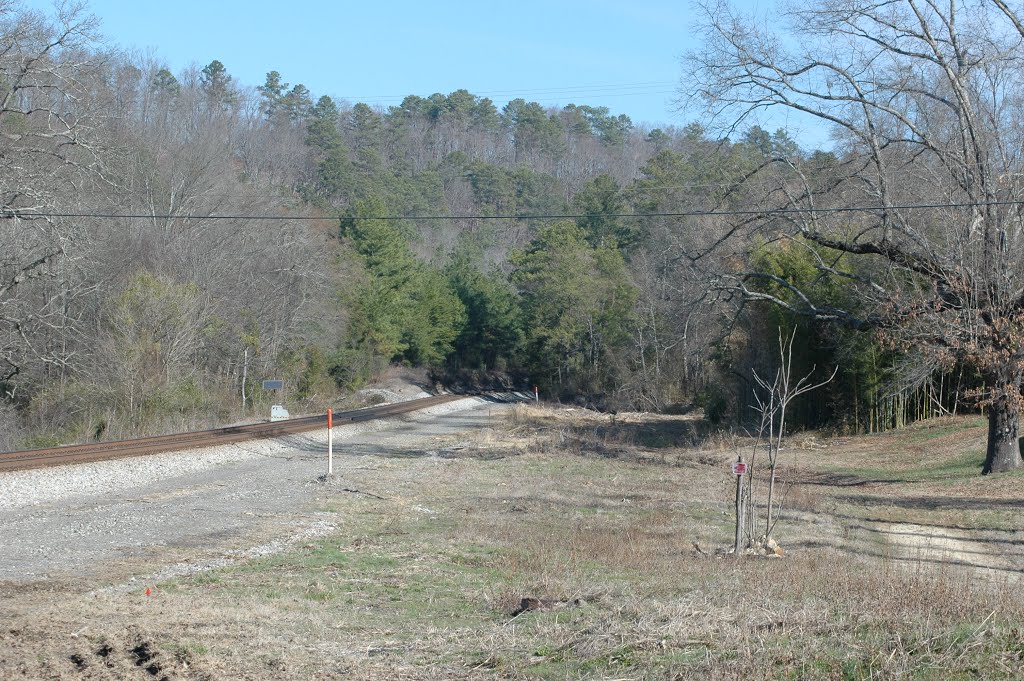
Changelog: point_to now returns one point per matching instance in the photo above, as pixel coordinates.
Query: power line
(543, 101)
(768, 212)
(550, 91)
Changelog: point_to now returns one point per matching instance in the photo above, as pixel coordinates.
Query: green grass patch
(956, 468)
(371, 585)
(184, 650)
(926, 431)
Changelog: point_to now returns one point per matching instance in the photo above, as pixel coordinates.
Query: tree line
(175, 238)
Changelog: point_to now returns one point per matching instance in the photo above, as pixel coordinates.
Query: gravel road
(182, 512)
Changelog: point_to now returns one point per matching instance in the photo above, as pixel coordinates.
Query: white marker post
(330, 442)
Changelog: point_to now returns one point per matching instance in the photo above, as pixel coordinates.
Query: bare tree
(924, 102)
(48, 152)
(269, 281)
(771, 402)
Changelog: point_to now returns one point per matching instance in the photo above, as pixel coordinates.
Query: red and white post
(536, 394)
(330, 442)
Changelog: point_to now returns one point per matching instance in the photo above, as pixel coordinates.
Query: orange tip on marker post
(148, 592)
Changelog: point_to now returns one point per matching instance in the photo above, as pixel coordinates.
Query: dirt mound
(397, 385)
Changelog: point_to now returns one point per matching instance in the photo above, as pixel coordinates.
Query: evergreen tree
(271, 93)
(165, 83)
(493, 334)
(322, 131)
(217, 84)
(600, 201)
(578, 304)
(297, 103)
(405, 310)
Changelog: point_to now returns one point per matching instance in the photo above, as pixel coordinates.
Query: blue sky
(617, 54)
(623, 54)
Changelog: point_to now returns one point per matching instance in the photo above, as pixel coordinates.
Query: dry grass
(595, 520)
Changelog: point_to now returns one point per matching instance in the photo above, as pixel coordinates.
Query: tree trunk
(1003, 453)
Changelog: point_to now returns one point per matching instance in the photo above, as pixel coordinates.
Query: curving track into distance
(102, 451)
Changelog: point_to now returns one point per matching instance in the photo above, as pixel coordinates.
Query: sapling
(771, 402)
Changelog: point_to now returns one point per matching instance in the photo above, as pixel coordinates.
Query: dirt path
(947, 546)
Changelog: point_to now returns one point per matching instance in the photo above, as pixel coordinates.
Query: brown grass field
(564, 544)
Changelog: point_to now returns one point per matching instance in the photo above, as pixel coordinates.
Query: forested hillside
(172, 239)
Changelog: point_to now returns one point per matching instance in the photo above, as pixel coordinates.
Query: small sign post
(536, 394)
(277, 411)
(739, 469)
(330, 442)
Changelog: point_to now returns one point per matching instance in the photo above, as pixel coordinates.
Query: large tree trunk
(1003, 452)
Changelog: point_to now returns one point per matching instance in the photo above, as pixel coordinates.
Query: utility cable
(9, 213)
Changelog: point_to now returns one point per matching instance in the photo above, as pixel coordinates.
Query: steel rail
(103, 451)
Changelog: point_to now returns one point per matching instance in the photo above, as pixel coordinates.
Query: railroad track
(102, 451)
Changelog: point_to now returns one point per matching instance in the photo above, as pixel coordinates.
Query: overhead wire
(9, 213)
(643, 87)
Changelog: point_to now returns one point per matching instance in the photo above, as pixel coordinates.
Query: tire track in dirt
(945, 546)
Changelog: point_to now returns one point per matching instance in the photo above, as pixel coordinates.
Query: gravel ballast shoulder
(78, 519)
